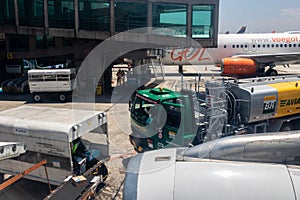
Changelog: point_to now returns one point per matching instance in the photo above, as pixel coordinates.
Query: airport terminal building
(53, 31)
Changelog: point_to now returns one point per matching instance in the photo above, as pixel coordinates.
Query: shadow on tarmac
(25, 189)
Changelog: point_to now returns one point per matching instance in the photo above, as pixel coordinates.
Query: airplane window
(225, 46)
(237, 46)
(281, 45)
(272, 45)
(242, 46)
(277, 45)
(246, 46)
(233, 46)
(253, 46)
(263, 45)
(290, 45)
(295, 45)
(285, 45)
(258, 45)
(268, 45)
(298, 45)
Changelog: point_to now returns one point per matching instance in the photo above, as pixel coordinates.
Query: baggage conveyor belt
(95, 182)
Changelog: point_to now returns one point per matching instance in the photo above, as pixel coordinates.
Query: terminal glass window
(61, 13)
(7, 12)
(43, 42)
(202, 21)
(171, 18)
(31, 12)
(94, 15)
(130, 15)
(40, 43)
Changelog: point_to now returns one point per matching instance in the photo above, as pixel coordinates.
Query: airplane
(242, 54)
(241, 30)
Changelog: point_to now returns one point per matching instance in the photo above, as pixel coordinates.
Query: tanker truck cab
(165, 118)
(161, 118)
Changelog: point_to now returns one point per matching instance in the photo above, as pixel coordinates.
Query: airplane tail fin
(242, 29)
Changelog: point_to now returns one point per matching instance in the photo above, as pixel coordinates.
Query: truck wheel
(287, 127)
(136, 144)
(36, 98)
(62, 97)
(272, 72)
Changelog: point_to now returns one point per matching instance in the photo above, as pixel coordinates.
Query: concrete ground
(118, 127)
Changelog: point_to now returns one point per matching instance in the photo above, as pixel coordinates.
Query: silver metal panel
(252, 103)
(279, 147)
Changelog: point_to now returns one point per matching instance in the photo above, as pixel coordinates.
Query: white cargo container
(49, 133)
(58, 82)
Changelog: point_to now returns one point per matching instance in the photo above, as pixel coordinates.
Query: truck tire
(62, 97)
(272, 72)
(287, 127)
(136, 143)
(36, 98)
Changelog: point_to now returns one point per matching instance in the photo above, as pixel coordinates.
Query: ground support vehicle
(16, 77)
(253, 166)
(72, 141)
(51, 82)
(16, 81)
(214, 109)
(157, 116)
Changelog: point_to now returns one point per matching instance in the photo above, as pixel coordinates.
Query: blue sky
(260, 16)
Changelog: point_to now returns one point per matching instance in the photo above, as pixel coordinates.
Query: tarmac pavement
(116, 107)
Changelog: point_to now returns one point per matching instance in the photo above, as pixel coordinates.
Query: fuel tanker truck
(204, 111)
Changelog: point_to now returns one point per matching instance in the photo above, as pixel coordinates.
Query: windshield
(141, 109)
(146, 111)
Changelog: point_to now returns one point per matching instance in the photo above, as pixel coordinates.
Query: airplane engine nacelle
(238, 66)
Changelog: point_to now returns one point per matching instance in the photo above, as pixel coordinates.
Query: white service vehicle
(71, 141)
(257, 166)
(45, 82)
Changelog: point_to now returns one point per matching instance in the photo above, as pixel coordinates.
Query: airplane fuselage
(251, 46)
